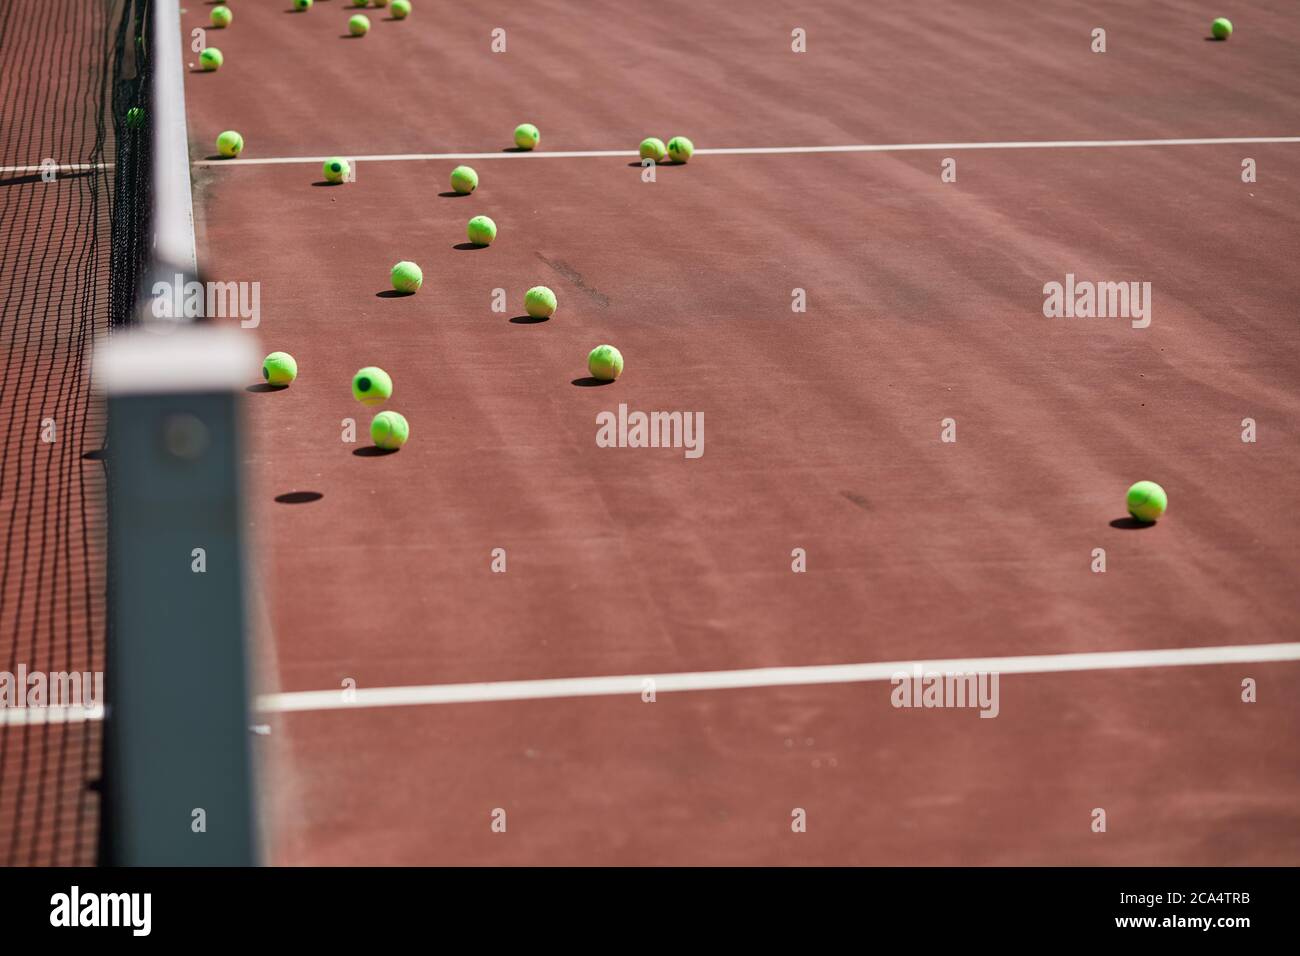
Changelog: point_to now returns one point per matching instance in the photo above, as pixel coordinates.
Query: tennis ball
(359, 25)
(481, 231)
(211, 59)
(221, 16)
(527, 136)
(539, 302)
(230, 143)
(605, 363)
(381, 3)
(389, 430)
(134, 117)
(401, 9)
(336, 169)
(279, 368)
(1221, 28)
(464, 180)
(372, 386)
(407, 277)
(302, 4)
(1147, 501)
(680, 149)
(653, 148)
(359, 3)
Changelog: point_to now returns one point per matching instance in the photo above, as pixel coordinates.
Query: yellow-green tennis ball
(221, 16)
(527, 136)
(464, 180)
(302, 4)
(680, 149)
(653, 148)
(407, 277)
(1221, 28)
(359, 25)
(372, 386)
(481, 231)
(1146, 501)
(134, 117)
(279, 368)
(230, 143)
(381, 3)
(605, 363)
(336, 169)
(359, 3)
(539, 302)
(211, 59)
(389, 430)
(401, 9)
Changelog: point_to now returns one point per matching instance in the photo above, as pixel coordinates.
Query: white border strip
(419, 694)
(769, 150)
(173, 218)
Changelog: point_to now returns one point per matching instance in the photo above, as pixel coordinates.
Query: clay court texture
(511, 643)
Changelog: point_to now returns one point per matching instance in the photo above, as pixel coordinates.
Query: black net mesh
(132, 176)
(74, 227)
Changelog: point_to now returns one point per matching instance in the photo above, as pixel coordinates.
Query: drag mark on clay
(574, 276)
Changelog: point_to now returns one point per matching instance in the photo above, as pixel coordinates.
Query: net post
(177, 720)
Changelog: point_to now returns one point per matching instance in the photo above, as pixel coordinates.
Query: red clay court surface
(822, 429)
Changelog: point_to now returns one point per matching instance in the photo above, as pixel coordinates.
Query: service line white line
(765, 150)
(419, 694)
(765, 677)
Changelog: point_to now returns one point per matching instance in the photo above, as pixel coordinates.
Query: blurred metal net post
(178, 767)
(177, 716)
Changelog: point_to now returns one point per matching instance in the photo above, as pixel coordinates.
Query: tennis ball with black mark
(680, 149)
(372, 386)
(230, 143)
(389, 430)
(527, 136)
(1146, 501)
(407, 277)
(211, 59)
(464, 180)
(605, 363)
(336, 169)
(481, 231)
(302, 4)
(221, 16)
(401, 9)
(359, 25)
(539, 302)
(279, 368)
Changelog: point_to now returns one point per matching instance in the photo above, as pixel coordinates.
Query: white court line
(766, 150)
(35, 716)
(417, 694)
(766, 677)
(61, 167)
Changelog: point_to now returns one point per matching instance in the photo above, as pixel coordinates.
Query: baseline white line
(420, 694)
(769, 150)
(766, 677)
